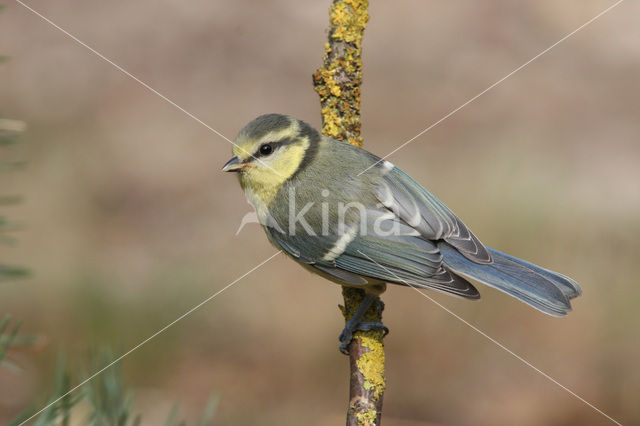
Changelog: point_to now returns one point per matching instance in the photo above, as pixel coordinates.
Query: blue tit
(359, 221)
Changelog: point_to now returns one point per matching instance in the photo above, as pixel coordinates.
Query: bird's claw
(345, 339)
(372, 325)
(347, 334)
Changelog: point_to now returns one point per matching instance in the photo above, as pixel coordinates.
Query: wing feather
(424, 212)
(401, 258)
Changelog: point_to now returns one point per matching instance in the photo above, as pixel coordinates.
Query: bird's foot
(372, 325)
(347, 333)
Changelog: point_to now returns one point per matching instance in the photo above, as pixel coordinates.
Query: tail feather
(569, 287)
(545, 290)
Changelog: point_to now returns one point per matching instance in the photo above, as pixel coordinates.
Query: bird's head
(269, 151)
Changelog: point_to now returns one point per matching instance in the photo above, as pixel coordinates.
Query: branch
(366, 359)
(338, 80)
(338, 84)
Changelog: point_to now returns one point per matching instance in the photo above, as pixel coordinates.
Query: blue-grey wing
(381, 247)
(394, 252)
(314, 251)
(424, 212)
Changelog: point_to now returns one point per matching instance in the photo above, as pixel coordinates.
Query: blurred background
(129, 222)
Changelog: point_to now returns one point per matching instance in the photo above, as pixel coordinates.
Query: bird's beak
(233, 165)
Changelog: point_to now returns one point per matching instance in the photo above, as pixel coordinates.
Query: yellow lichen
(371, 364)
(338, 80)
(331, 126)
(350, 19)
(368, 418)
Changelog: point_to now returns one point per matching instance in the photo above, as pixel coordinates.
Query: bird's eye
(266, 149)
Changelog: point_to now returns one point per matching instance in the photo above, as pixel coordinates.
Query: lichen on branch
(338, 80)
(367, 360)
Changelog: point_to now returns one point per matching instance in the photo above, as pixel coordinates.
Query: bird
(360, 221)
